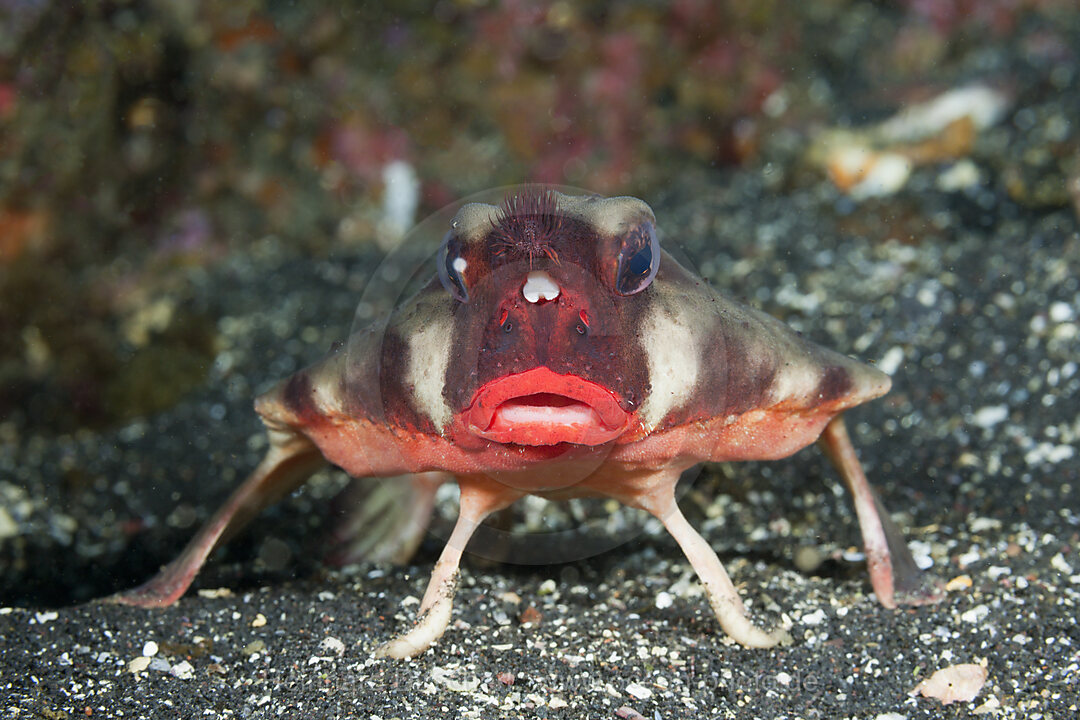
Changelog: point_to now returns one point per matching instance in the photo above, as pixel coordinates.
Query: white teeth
(539, 286)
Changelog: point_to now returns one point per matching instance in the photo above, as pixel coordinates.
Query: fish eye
(638, 260)
(451, 266)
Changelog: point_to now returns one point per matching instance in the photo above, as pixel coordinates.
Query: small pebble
(892, 359)
(255, 646)
(138, 664)
(989, 416)
(960, 582)
(182, 670)
(1059, 563)
(955, 683)
(808, 559)
(215, 593)
(332, 645)
(1060, 312)
(530, 615)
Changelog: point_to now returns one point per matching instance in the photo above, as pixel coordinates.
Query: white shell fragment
(984, 105)
(137, 665)
(882, 173)
(401, 198)
(539, 286)
(954, 683)
(877, 160)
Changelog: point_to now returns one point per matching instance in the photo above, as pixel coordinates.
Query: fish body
(559, 351)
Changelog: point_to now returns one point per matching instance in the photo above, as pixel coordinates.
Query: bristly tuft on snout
(526, 224)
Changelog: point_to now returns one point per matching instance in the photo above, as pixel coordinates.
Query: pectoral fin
(383, 519)
(895, 577)
(289, 462)
(480, 496)
(656, 495)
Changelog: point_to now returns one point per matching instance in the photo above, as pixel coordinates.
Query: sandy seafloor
(973, 449)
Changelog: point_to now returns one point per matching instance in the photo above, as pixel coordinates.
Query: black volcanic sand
(973, 448)
(970, 299)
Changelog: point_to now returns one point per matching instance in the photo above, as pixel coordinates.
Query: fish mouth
(541, 407)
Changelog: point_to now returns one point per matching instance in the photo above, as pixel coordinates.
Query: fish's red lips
(541, 407)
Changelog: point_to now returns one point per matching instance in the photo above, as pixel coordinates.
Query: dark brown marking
(748, 378)
(397, 397)
(298, 397)
(835, 382)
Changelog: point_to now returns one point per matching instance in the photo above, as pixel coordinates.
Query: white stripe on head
(672, 353)
(429, 356)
